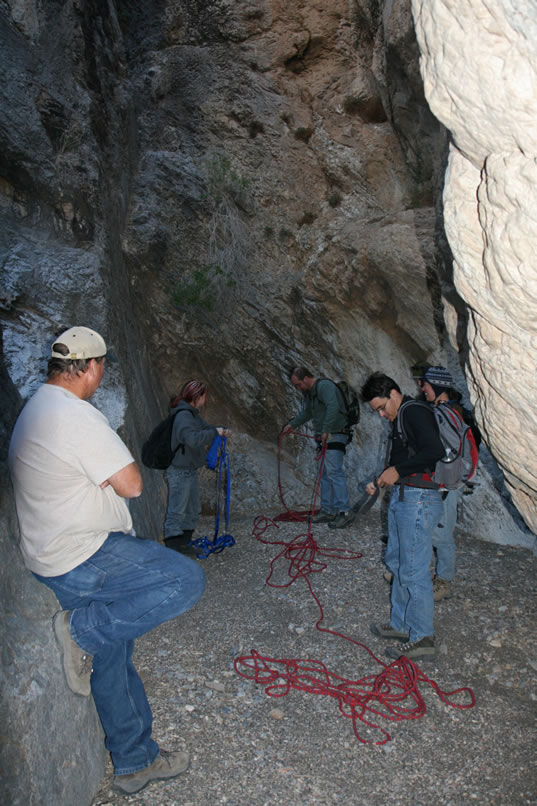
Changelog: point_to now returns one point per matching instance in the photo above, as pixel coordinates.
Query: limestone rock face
(479, 70)
(226, 190)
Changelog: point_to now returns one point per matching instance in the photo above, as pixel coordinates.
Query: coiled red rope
(393, 695)
(289, 514)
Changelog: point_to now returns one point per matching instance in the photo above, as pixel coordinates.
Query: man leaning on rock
(71, 474)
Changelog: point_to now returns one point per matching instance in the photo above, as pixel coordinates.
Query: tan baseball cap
(82, 342)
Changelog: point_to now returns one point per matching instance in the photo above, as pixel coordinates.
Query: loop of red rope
(379, 697)
(374, 697)
(290, 514)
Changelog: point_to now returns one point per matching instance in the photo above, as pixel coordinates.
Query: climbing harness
(204, 546)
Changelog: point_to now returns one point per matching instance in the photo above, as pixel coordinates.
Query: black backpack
(352, 402)
(157, 450)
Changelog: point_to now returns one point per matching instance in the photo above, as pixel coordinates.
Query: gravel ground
(250, 749)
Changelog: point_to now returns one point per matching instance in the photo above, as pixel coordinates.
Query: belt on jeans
(423, 485)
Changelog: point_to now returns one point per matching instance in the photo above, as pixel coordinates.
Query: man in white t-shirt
(71, 475)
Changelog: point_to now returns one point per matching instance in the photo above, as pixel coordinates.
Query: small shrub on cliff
(202, 288)
(334, 200)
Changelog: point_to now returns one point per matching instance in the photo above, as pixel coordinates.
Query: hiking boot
(387, 631)
(341, 520)
(323, 516)
(388, 576)
(76, 662)
(416, 650)
(441, 589)
(166, 765)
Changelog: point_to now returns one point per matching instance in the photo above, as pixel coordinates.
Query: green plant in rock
(334, 200)
(202, 288)
(229, 202)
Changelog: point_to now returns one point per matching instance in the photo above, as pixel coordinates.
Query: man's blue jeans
(183, 500)
(334, 493)
(408, 556)
(121, 592)
(443, 537)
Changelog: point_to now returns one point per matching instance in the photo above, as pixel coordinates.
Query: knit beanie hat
(439, 377)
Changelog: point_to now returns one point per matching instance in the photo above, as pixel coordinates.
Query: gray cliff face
(224, 190)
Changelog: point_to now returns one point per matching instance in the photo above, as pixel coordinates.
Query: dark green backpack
(352, 402)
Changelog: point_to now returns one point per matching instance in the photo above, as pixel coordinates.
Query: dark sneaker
(341, 520)
(441, 589)
(416, 650)
(323, 516)
(387, 631)
(166, 765)
(76, 662)
(180, 543)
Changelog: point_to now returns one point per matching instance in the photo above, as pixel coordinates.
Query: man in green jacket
(325, 406)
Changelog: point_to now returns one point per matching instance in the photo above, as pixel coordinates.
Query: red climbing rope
(392, 695)
(296, 515)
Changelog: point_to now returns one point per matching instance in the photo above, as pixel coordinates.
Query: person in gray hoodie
(191, 436)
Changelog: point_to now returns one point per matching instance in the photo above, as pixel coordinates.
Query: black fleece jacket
(423, 439)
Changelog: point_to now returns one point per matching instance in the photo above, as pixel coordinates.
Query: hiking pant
(334, 494)
(183, 500)
(443, 537)
(411, 522)
(121, 592)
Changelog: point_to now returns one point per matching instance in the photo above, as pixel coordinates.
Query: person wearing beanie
(438, 387)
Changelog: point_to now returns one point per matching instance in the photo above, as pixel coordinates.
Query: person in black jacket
(193, 436)
(414, 510)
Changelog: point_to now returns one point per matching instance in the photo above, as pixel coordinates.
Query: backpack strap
(423, 480)
(181, 444)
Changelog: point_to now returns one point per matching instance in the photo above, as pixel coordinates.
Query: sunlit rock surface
(480, 74)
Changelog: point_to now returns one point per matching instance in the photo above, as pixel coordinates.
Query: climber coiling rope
(368, 700)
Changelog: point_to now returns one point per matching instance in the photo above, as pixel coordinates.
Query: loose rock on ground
(251, 749)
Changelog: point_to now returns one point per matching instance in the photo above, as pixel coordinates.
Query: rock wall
(223, 189)
(479, 72)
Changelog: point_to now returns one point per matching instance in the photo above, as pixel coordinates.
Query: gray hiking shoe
(441, 589)
(416, 650)
(166, 765)
(341, 520)
(323, 516)
(387, 631)
(76, 662)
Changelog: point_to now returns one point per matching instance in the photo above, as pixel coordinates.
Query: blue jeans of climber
(334, 493)
(408, 556)
(443, 537)
(183, 500)
(125, 589)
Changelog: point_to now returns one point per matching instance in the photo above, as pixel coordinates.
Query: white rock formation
(480, 75)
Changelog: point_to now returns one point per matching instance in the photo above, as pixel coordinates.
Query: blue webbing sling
(217, 459)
